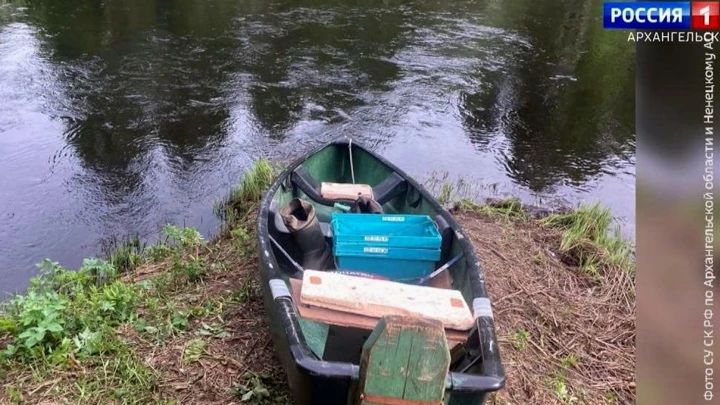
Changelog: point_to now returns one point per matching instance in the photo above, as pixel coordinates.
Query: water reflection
(327, 58)
(144, 112)
(138, 75)
(565, 103)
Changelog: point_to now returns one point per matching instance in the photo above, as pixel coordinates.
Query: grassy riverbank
(177, 322)
(182, 321)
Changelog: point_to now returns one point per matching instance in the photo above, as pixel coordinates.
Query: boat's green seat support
(391, 187)
(404, 361)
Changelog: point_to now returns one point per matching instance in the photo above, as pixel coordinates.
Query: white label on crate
(369, 249)
(393, 219)
(373, 238)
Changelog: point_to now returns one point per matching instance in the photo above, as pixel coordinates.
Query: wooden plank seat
(359, 302)
(345, 191)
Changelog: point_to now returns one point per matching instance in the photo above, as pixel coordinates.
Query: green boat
(341, 363)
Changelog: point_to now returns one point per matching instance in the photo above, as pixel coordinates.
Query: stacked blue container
(399, 247)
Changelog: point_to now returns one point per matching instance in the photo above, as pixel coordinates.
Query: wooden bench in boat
(345, 191)
(359, 302)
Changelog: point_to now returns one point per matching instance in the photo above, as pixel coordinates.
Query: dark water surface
(118, 116)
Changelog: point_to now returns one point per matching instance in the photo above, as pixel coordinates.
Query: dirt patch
(241, 347)
(566, 336)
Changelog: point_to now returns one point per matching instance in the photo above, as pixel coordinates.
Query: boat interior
(339, 336)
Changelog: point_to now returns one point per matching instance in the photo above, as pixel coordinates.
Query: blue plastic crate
(409, 231)
(395, 263)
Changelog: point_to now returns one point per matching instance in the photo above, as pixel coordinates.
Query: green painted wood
(316, 334)
(405, 359)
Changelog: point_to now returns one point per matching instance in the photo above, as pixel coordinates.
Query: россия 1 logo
(677, 15)
(705, 15)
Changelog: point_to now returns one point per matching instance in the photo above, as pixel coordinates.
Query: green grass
(127, 255)
(248, 291)
(255, 182)
(448, 190)
(67, 336)
(520, 339)
(585, 234)
(588, 233)
(568, 362)
(249, 192)
(510, 208)
(562, 392)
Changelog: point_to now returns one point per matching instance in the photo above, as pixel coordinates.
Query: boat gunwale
(492, 376)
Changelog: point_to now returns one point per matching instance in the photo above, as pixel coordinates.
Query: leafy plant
(538, 258)
(179, 320)
(88, 343)
(242, 240)
(8, 325)
(562, 392)
(155, 253)
(183, 236)
(520, 339)
(142, 325)
(194, 350)
(101, 271)
(41, 318)
(63, 310)
(14, 395)
(240, 235)
(54, 277)
(192, 270)
(214, 330)
(160, 322)
(560, 388)
(252, 390)
(78, 320)
(116, 302)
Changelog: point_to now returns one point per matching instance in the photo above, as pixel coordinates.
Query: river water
(119, 116)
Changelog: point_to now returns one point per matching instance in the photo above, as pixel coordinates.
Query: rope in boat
(287, 255)
(441, 269)
(352, 168)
